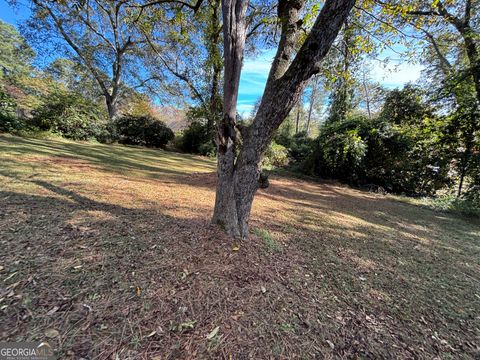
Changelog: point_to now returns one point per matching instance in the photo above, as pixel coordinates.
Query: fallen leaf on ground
(213, 333)
(51, 333)
(53, 310)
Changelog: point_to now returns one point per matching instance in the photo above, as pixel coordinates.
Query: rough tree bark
(238, 176)
(235, 32)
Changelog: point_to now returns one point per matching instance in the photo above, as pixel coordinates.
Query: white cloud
(244, 109)
(254, 76)
(259, 65)
(395, 73)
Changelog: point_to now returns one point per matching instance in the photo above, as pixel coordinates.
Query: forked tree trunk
(238, 176)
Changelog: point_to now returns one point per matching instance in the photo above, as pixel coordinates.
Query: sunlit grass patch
(270, 243)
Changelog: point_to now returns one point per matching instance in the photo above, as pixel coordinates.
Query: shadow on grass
(152, 163)
(393, 258)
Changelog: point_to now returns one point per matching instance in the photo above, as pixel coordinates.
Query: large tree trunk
(111, 107)
(234, 25)
(238, 177)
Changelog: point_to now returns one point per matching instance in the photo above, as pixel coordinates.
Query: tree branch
(288, 14)
(468, 12)
(74, 46)
(180, 76)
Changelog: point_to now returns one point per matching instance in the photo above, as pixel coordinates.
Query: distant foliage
(9, 122)
(405, 106)
(158, 134)
(71, 116)
(15, 54)
(275, 156)
(362, 151)
(339, 151)
(196, 139)
(467, 205)
(300, 147)
(404, 150)
(143, 130)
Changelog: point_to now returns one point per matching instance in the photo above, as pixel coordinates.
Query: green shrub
(339, 151)
(196, 139)
(158, 134)
(143, 130)
(9, 121)
(301, 146)
(108, 134)
(467, 205)
(363, 151)
(70, 115)
(177, 142)
(208, 149)
(11, 124)
(275, 156)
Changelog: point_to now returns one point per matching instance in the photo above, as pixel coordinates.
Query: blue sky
(255, 70)
(393, 74)
(11, 16)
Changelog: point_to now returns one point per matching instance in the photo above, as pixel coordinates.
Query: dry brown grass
(111, 246)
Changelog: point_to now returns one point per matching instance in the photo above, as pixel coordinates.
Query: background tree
(450, 30)
(193, 60)
(75, 77)
(100, 36)
(16, 55)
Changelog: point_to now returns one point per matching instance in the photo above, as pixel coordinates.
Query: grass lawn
(107, 253)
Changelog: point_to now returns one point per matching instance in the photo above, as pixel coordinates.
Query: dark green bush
(158, 134)
(301, 146)
(196, 139)
(71, 116)
(363, 151)
(9, 121)
(275, 156)
(143, 130)
(339, 151)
